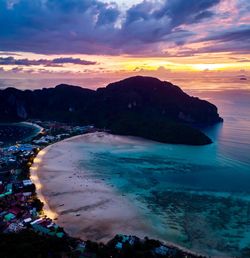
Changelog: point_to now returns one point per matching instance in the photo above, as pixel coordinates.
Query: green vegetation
(139, 106)
(159, 130)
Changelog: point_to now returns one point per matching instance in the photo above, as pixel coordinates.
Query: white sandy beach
(85, 207)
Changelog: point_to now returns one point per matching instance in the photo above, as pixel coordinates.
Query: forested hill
(138, 106)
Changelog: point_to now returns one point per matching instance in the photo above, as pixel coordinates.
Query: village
(20, 208)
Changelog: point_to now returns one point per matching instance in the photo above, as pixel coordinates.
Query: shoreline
(27, 125)
(52, 211)
(35, 178)
(34, 125)
(36, 181)
(96, 208)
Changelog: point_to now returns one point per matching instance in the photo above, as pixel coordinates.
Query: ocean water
(197, 197)
(11, 133)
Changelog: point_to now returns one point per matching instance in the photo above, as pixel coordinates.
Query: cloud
(186, 12)
(70, 60)
(244, 61)
(148, 28)
(17, 70)
(180, 53)
(57, 62)
(9, 54)
(235, 39)
(163, 69)
(233, 34)
(26, 62)
(96, 27)
(159, 21)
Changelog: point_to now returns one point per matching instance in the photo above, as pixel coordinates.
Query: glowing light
(37, 160)
(202, 67)
(35, 179)
(38, 186)
(42, 153)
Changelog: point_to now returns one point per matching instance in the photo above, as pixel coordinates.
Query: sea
(195, 196)
(12, 133)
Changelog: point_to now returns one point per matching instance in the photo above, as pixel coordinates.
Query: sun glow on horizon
(107, 69)
(211, 67)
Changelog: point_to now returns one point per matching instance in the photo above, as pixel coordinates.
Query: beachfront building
(45, 226)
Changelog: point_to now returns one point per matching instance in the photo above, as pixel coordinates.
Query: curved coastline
(55, 211)
(24, 137)
(35, 179)
(34, 125)
(38, 127)
(85, 207)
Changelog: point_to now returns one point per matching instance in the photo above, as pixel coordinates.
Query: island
(136, 106)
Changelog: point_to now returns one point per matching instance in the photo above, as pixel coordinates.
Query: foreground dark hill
(139, 106)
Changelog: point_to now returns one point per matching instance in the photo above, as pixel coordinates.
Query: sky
(100, 41)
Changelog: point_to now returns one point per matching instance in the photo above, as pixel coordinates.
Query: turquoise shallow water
(198, 197)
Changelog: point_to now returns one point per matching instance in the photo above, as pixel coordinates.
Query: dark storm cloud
(56, 26)
(234, 34)
(236, 39)
(186, 12)
(149, 22)
(70, 60)
(53, 63)
(95, 27)
(25, 62)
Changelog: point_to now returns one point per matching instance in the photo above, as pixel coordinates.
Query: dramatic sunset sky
(99, 41)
